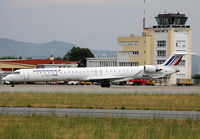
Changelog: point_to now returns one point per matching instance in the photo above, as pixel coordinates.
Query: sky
(93, 24)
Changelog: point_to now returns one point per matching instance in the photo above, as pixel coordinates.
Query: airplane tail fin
(174, 59)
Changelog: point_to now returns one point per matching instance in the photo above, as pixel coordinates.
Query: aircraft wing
(114, 78)
(158, 77)
(106, 78)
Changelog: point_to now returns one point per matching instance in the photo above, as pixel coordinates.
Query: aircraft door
(95, 73)
(26, 75)
(55, 75)
(100, 73)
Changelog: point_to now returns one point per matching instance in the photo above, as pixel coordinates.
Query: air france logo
(174, 61)
(54, 70)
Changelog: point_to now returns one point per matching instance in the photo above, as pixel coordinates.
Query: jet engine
(150, 69)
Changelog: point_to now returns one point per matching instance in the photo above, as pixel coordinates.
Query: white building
(102, 62)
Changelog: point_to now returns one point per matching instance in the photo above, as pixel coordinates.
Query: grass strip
(28, 127)
(102, 101)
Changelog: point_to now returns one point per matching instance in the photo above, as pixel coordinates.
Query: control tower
(172, 35)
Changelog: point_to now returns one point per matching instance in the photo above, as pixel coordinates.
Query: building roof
(102, 58)
(37, 61)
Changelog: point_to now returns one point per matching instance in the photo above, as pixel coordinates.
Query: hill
(14, 48)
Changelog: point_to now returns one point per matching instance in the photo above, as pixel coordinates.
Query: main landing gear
(105, 83)
(12, 85)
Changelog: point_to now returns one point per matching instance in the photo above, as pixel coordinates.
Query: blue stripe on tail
(170, 61)
(174, 61)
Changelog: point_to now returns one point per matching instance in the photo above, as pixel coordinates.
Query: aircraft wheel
(108, 85)
(105, 84)
(12, 85)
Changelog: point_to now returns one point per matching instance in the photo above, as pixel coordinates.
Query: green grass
(35, 127)
(102, 101)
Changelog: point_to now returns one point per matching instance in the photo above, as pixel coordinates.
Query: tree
(10, 57)
(78, 54)
(28, 58)
(196, 76)
(58, 58)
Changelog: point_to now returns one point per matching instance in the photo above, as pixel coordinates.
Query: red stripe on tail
(178, 61)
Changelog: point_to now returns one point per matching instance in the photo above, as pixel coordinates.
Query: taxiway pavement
(102, 113)
(97, 89)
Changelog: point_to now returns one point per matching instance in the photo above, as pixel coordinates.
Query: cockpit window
(16, 72)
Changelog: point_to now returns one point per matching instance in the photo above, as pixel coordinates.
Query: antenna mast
(144, 19)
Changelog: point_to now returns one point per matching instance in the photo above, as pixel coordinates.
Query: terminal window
(159, 62)
(135, 52)
(129, 43)
(161, 43)
(161, 53)
(182, 63)
(181, 76)
(180, 43)
(129, 64)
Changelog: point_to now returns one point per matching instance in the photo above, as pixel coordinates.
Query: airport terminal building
(157, 44)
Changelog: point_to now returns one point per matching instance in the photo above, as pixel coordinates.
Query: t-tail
(174, 60)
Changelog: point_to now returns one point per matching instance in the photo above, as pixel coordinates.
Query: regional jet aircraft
(104, 75)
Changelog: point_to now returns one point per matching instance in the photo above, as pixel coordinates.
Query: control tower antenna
(144, 19)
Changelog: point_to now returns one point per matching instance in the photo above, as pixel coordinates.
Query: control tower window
(171, 19)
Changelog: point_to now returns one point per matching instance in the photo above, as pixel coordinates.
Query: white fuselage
(86, 74)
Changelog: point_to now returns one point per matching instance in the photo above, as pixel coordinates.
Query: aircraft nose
(4, 79)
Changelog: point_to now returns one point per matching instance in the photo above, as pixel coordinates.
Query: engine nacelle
(150, 68)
